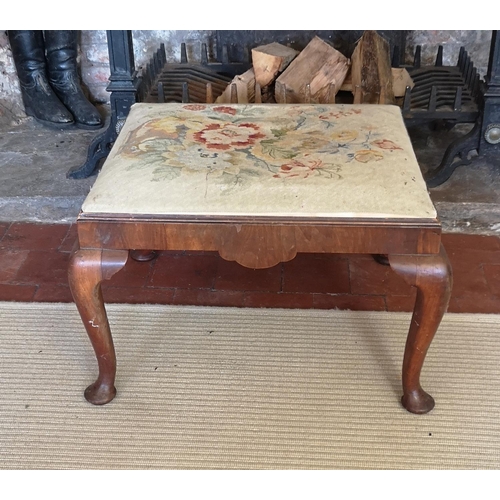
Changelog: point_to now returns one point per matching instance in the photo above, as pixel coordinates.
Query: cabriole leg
(432, 276)
(87, 269)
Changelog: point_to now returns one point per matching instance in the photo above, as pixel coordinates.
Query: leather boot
(61, 54)
(38, 96)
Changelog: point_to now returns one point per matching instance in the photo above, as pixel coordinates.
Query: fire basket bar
(484, 138)
(450, 93)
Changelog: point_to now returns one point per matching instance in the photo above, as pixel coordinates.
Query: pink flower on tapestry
(229, 136)
(339, 114)
(301, 169)
(386, 144)
(194, 107)
(225, 109)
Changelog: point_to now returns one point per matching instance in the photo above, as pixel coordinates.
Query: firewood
(347, 83)
(320, 65)
(209, 93)
(269, 60)
(244, 87)
(400, 80)
(371, 70)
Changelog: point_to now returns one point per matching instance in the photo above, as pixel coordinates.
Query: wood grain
(432, 277)
(319, 65)
(271, 241)
(243, 85)
(270, 60)
(87, 269)
(371, 73)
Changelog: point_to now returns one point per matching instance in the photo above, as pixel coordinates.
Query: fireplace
(450, 94)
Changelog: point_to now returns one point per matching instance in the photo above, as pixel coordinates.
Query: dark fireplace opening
(441, 95)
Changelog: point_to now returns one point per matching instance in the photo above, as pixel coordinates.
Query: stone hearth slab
(34, 161)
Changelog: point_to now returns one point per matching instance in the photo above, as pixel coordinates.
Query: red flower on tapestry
(302, 169)
(225, 109)
(194, 107)
(386, 144)
(229, 136)
(339, 114)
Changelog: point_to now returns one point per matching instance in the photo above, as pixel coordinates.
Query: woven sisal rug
(228, 388)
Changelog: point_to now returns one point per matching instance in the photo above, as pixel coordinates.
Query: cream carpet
(228, 388)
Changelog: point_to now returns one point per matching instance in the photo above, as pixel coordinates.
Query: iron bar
(439, 56)
(184, 58)
(457, 105)
(185, 92)
(161, 92)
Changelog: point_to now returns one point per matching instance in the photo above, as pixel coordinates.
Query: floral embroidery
(344, 136)
(339, 114)
(194, 160)
(367, 155)
(296, 168)
(285, 144)
(225, 109)
(385, 144)
(229, 135)
(194, 107)
(238, 144)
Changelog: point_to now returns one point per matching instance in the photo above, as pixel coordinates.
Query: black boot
(61, 53)
(38, 97)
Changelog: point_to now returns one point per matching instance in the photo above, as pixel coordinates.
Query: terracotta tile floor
(34, 260)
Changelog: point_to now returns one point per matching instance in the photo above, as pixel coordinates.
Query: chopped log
(269, 60)
(371, 72)
(267, 94)
(347, 83)
(320, 65)
(209, 93)
(258, 94)
(241, 85)
(400, 80)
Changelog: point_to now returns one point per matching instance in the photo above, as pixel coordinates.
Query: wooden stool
(260, 183)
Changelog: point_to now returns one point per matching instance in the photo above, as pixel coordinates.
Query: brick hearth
(34, 260)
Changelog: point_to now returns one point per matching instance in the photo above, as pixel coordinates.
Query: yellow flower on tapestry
(158, 130)
(161, 127)
(144, 137)
(343, 136)
(309, 141)
(286, 144)
(367, 155)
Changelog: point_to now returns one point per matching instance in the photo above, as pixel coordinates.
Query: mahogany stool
(259, 183)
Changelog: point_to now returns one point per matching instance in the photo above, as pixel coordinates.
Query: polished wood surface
(265, 243)
(414, 251)
(87, 269)
(143, 255)
(432, 277)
